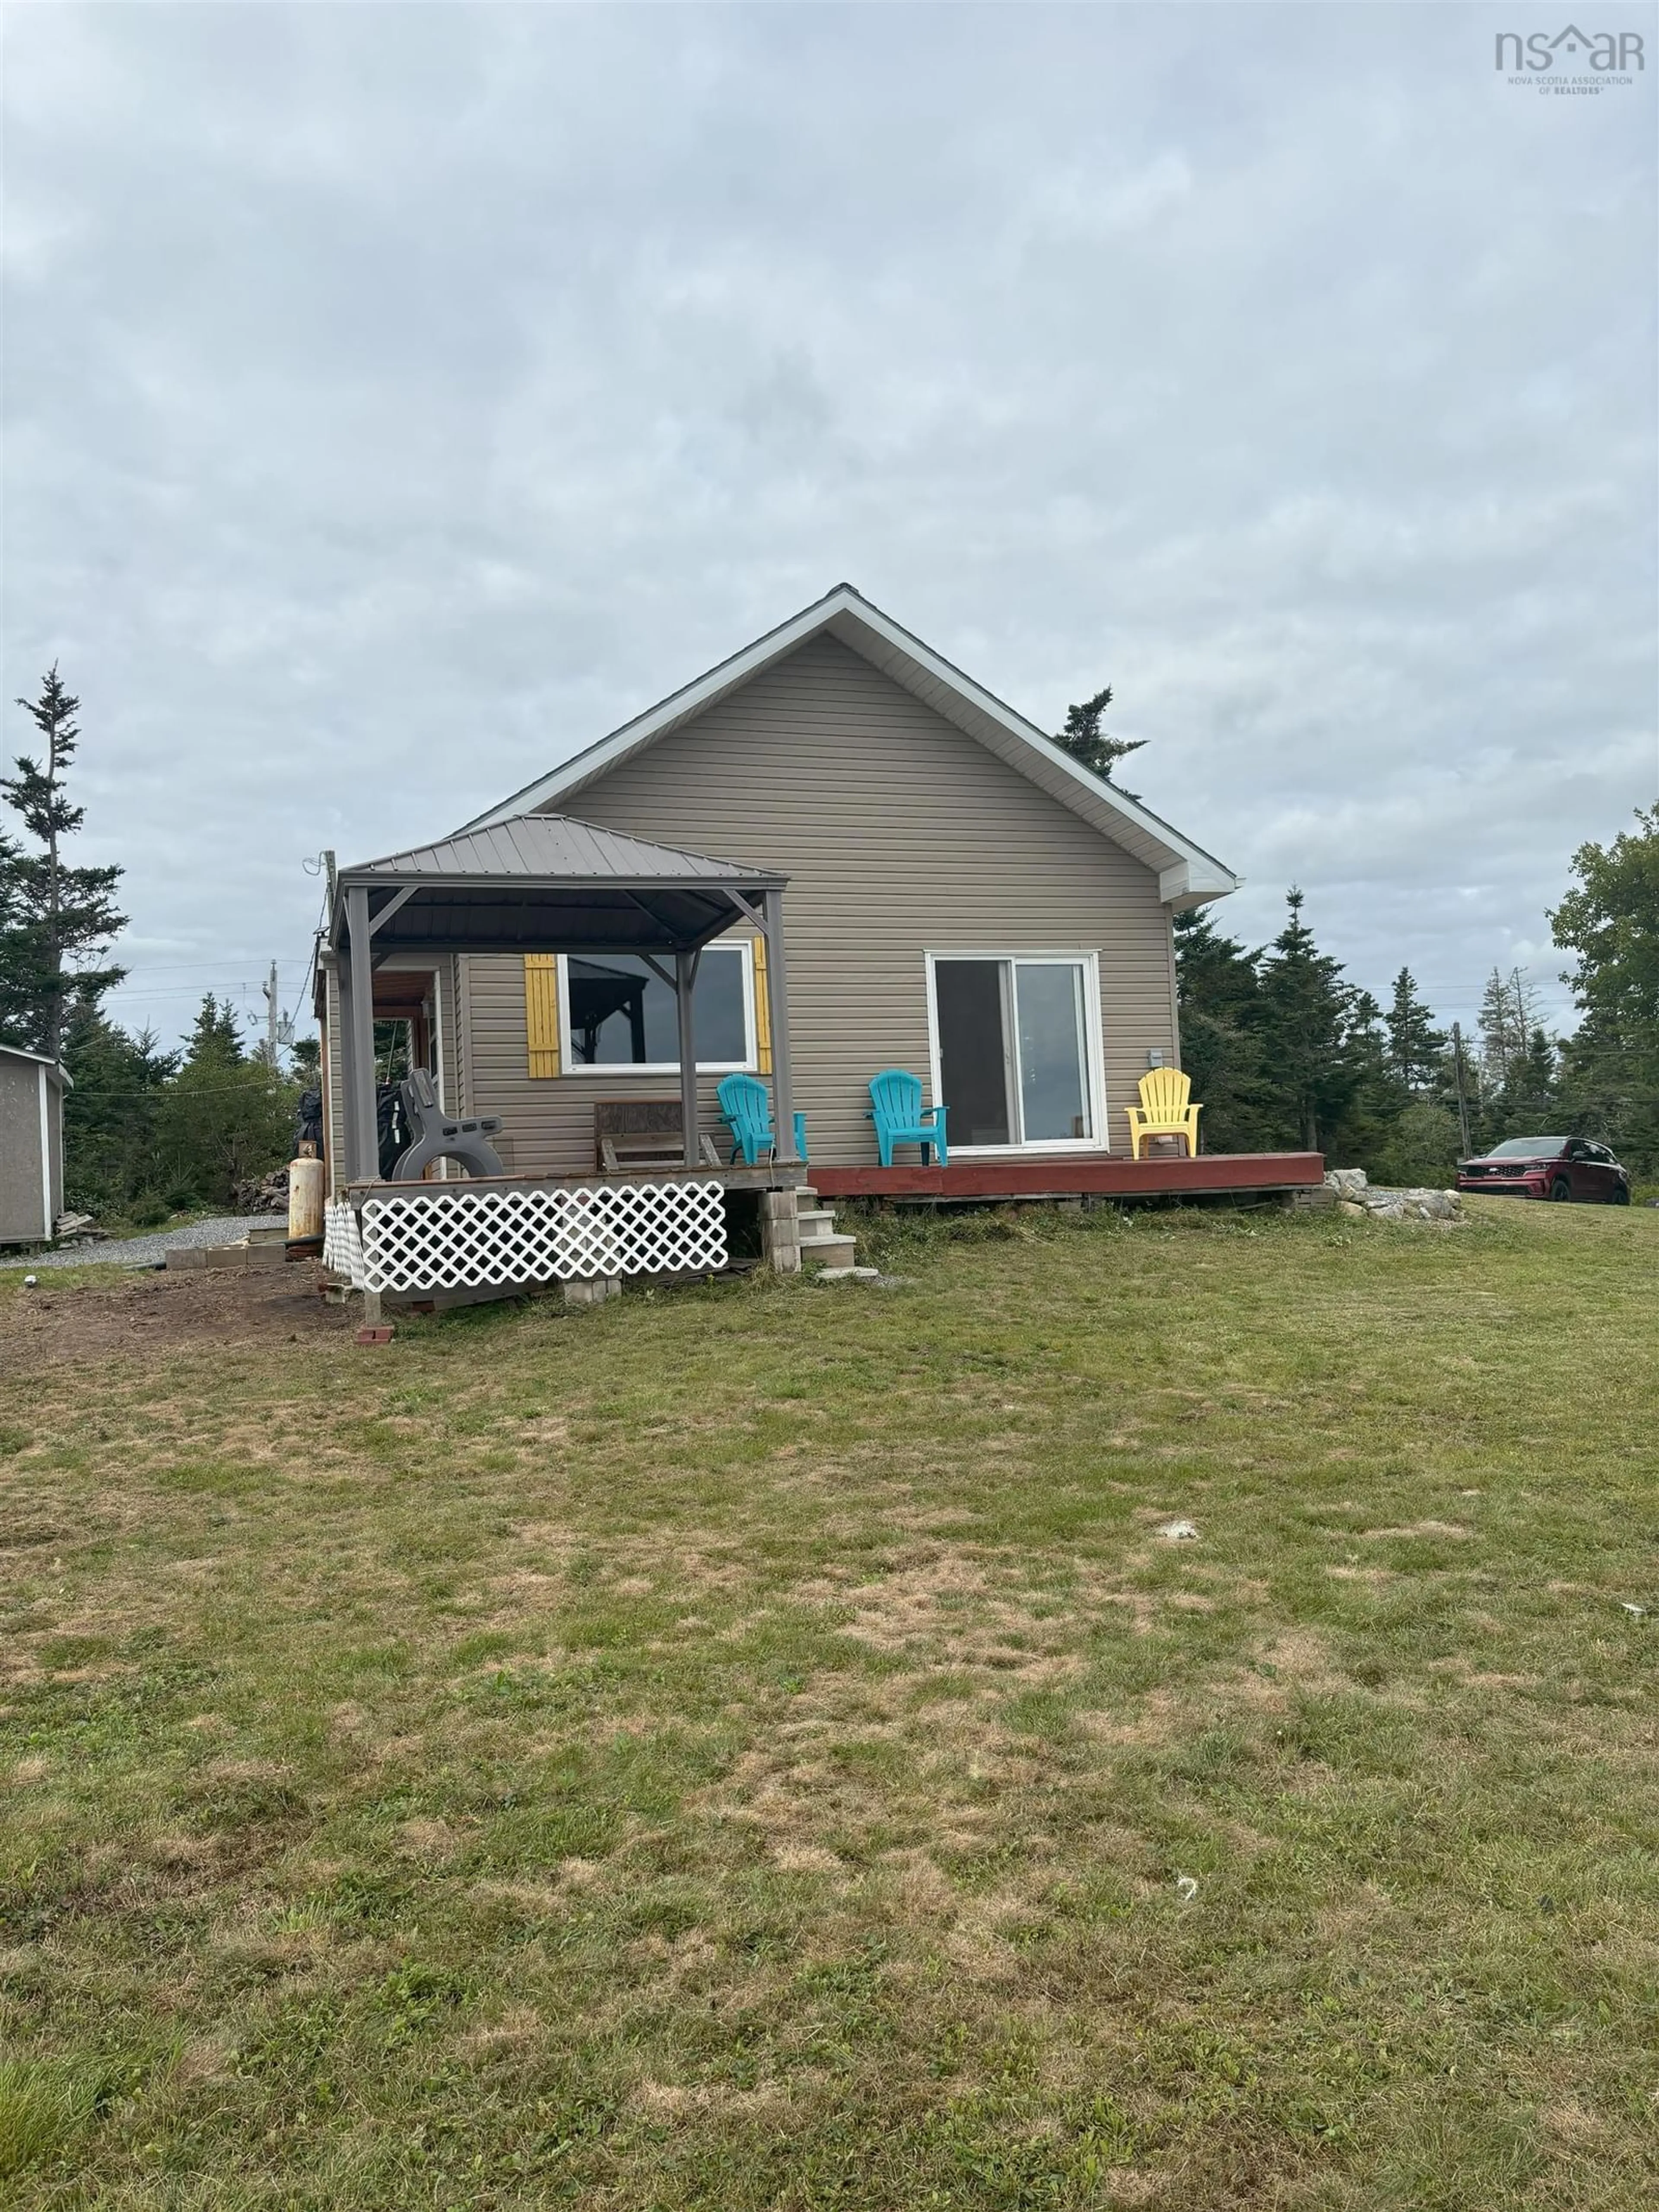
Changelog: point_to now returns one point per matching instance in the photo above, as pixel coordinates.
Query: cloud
(399, 398)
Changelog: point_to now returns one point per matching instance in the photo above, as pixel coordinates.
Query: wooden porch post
(339, 1170)
(783, 1079)
(357, 1046)
(685, 977)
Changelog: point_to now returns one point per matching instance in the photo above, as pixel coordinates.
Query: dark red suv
(1547, 1167)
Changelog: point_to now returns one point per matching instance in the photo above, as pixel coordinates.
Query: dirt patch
(1158, 1720)
(137, 1314)
(519, 2027)
(1417, 1528)
(947, 1601)
(1297, 1660)
(806, 1858)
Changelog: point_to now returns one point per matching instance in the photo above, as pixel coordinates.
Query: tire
(1561, 1191)
(1621, 1194)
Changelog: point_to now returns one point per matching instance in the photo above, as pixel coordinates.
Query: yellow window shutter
(541, 1010)
(762, 1011)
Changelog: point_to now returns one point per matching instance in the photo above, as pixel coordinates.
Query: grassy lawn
(752, 1746)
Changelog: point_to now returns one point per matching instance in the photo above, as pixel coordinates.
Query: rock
(1360, 1195)
(1430, 1206)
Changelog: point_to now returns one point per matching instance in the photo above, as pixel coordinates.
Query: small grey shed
(31, 1145)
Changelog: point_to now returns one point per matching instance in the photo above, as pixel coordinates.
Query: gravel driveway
(148, 1251)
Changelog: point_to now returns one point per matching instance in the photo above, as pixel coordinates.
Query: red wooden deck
(1074, 1175)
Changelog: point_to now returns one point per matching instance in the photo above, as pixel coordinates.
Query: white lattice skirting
(343, 1247)
(454, 1240)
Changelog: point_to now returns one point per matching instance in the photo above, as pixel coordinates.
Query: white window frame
(1094, 1056)
(616, 1069)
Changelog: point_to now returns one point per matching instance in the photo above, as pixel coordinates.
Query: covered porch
(546, 885)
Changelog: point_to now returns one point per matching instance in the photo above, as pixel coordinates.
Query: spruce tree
(226, 1118)
(1497, 1025)
(1216, 985)
(1415, 1048)
(1529, 1104)
(1320, 1045)
(1085, 741)
(109, 1111)
(215, 1035)
(51, 916)
(1508, 1016)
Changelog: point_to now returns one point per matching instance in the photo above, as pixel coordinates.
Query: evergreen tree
(1416, 1048)
(1085, 741)
(1497, 1026)
(1420, 1149)
(1216, 985)
(215, 1035)
(1509, 1014)
(1358, 1130)
(1320, 1048)
(1530, 1103)
(51, 916)
(19, 970)
(227, 1118)
(111, 1111)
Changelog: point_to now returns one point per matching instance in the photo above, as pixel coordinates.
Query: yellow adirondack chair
(1164, 1110)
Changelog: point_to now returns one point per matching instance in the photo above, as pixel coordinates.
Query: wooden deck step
(828, 1251)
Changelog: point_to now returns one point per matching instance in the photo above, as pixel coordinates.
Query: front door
(1015, 1052)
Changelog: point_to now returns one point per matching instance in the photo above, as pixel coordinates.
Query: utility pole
(273, 1012)
(1462, 1102)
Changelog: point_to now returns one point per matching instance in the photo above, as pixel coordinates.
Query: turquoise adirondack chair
(896, 1111)
(748, 1109)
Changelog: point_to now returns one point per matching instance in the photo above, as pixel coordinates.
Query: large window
(1017, 1050)
(617, 1012)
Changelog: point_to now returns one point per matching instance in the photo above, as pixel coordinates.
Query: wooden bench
(631, 1133)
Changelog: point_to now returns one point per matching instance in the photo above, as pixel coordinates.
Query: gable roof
(1186, 874)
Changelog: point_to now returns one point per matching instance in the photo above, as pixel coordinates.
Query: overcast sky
(399, 398)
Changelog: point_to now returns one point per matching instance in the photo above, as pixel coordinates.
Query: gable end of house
(1186, 874)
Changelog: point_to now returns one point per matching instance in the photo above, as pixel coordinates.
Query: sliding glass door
(1016, 1051)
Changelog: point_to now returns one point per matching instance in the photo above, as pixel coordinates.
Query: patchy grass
(752, 1746)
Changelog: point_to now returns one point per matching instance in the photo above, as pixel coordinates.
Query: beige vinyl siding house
(919, 824)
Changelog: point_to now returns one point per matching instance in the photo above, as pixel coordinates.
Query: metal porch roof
(548, 883)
